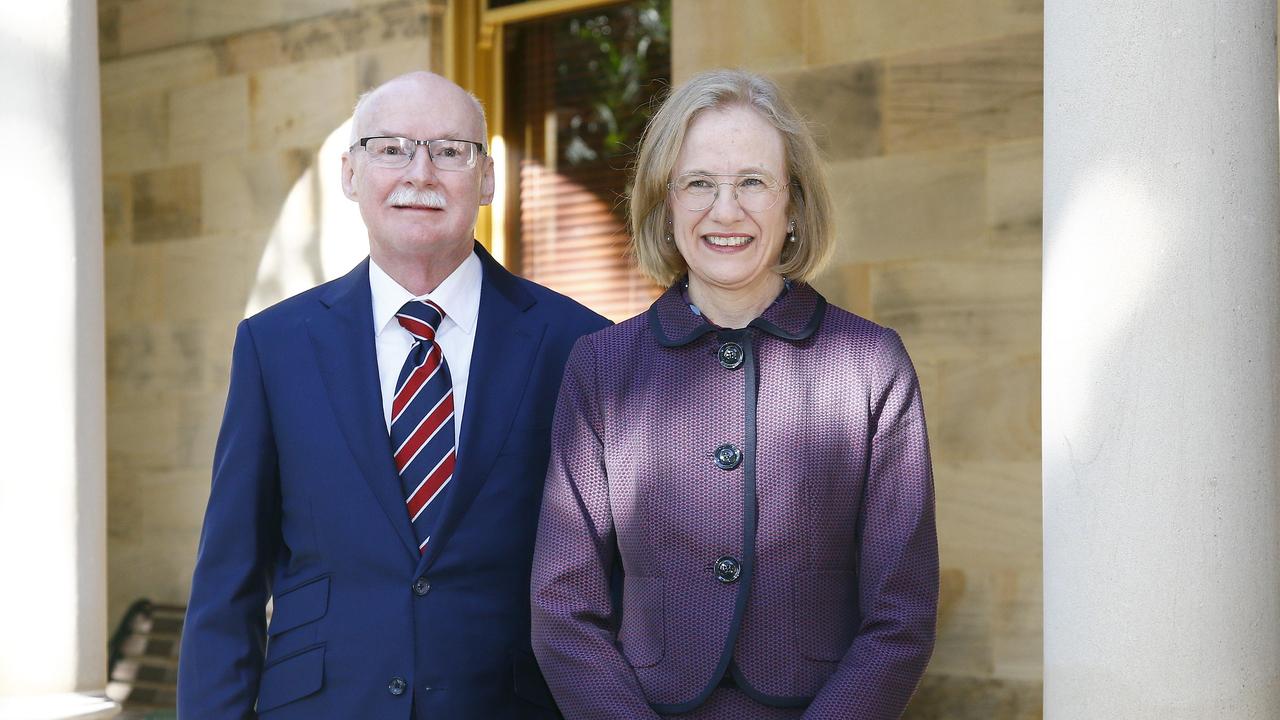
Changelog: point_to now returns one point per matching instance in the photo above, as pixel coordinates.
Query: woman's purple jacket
(770, 496)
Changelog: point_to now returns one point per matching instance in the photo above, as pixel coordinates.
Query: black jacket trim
(749, 520)
(673, 324)
(778, 701)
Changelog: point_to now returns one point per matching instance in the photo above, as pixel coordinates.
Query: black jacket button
(730, 355)
(728, 456)
(397, 686)
(728, 569)
(421, 586)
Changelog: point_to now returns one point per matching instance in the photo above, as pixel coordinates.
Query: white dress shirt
(459, 296)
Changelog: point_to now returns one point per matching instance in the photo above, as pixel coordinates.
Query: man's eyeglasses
(398, 152)
(696, 192)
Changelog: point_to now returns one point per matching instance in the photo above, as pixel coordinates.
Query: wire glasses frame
(754, 192)
(397, 152)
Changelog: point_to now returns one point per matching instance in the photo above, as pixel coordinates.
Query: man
(381, 460)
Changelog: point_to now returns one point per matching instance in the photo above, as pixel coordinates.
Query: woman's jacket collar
(795, 315)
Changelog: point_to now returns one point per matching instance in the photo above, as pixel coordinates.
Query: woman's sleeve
(897, 555)
(573, 616)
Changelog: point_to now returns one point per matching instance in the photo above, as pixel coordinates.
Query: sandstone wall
(930, 117)
(214, 114)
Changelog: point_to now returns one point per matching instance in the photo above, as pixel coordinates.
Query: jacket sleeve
(223, 639)
(897, 555)
(573, 614)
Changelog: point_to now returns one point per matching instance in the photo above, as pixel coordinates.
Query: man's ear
(348, 176)
(487, 182)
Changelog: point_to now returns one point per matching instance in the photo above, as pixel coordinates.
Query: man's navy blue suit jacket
(306, 508)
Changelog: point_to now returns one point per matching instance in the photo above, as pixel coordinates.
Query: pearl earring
(791, 231)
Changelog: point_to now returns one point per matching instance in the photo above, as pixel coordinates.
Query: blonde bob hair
(809, 205)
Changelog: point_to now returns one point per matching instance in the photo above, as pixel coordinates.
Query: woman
(753, 457)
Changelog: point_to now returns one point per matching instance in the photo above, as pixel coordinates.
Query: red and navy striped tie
(422, 419)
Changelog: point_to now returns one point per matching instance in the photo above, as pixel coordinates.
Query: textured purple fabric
(840, 589)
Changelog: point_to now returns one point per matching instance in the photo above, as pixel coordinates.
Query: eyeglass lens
(698, 192)
(396, 152)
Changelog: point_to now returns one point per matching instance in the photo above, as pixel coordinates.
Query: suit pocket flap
(300, 605)
(291, 678)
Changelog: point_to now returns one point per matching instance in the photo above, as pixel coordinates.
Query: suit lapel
(506, 345)
(343, 340)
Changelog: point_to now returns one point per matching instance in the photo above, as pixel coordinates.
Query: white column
(1161, 345)
(53, 625)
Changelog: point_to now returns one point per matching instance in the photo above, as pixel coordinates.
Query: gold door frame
(473, 59)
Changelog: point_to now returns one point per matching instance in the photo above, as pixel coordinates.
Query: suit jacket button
(421, 586)
(728, 456)
(730, 355)
(397, 686)
(728, 569)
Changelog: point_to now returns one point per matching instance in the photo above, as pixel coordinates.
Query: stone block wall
(213, 116)
(930, 117)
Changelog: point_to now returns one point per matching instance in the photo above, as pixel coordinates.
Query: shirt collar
(458, 295)
(795, 315)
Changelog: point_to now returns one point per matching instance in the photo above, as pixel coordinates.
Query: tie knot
(421, 318)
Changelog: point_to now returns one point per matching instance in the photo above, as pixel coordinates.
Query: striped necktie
(422, 420)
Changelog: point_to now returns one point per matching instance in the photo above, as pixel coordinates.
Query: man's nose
(420, 170)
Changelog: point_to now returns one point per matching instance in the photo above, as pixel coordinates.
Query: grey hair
(809, 205)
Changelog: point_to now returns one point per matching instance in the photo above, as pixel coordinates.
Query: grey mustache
(420, 198)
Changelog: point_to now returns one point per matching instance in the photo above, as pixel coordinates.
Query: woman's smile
(727, 242)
